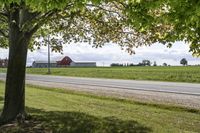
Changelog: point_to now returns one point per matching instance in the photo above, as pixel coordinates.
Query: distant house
(65, 62)
(3, 63)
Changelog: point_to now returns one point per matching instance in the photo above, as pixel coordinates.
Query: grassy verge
(175, 74)
(65, 111)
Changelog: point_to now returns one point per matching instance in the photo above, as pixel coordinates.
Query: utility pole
(49, 64)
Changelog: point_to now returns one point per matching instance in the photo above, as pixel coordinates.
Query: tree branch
(42, 21)
(44, 18)
(3, 33)
(107, 10)
(38, 19)
(3, 20)
(3, 14)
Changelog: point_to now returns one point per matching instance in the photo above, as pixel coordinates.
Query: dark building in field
(65, 62)
(3, 63)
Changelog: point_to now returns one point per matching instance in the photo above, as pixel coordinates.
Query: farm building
(43, 64)
(3, 63)
(65, 62)
(83, 64)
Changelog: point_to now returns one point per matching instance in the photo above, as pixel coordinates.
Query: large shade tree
(27, 24)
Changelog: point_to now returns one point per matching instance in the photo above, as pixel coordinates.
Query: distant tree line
(183, 62)
(143, 63)
(117, 64)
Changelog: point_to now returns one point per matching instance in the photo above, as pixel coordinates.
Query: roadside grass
(172, 73)
(64, 111)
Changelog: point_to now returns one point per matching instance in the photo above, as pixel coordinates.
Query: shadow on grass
(76, 122)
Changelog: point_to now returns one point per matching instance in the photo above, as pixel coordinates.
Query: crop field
(62, 111)
(172, 73)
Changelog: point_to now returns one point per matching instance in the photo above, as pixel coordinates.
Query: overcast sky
(113, 54)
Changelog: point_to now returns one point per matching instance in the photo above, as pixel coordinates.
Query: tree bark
(14, 103)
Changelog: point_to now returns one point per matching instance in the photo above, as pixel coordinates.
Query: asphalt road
(151, 86)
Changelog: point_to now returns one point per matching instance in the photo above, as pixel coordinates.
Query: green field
(178, 74)
(66, 111)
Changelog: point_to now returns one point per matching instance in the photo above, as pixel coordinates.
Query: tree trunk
(14, 103)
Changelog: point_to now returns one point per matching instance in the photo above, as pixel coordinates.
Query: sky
(112, 53)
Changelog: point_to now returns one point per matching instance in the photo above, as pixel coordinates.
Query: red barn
(66, 61)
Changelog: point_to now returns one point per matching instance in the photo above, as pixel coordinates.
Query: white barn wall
(83, 64)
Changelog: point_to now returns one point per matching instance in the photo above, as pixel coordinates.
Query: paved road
(151, 86)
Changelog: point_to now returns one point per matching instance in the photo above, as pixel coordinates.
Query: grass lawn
(175, 74)
(66, 111)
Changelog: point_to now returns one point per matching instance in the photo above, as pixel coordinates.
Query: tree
(116, 64)
(184, 62)
(146, 63)
(164, 64)
(27, 24)
(154, 64)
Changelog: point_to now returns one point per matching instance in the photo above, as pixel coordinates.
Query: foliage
(116, 64)
(146, 63)
(154, 63)
(184, 62)
(94, 21)
(168, 21)
(66, 111)
(164, 64)
(129, 23)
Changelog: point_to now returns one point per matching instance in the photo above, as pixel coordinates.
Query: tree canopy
(129, 23)
(95, 21)
(170, 20)
(184, 62)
